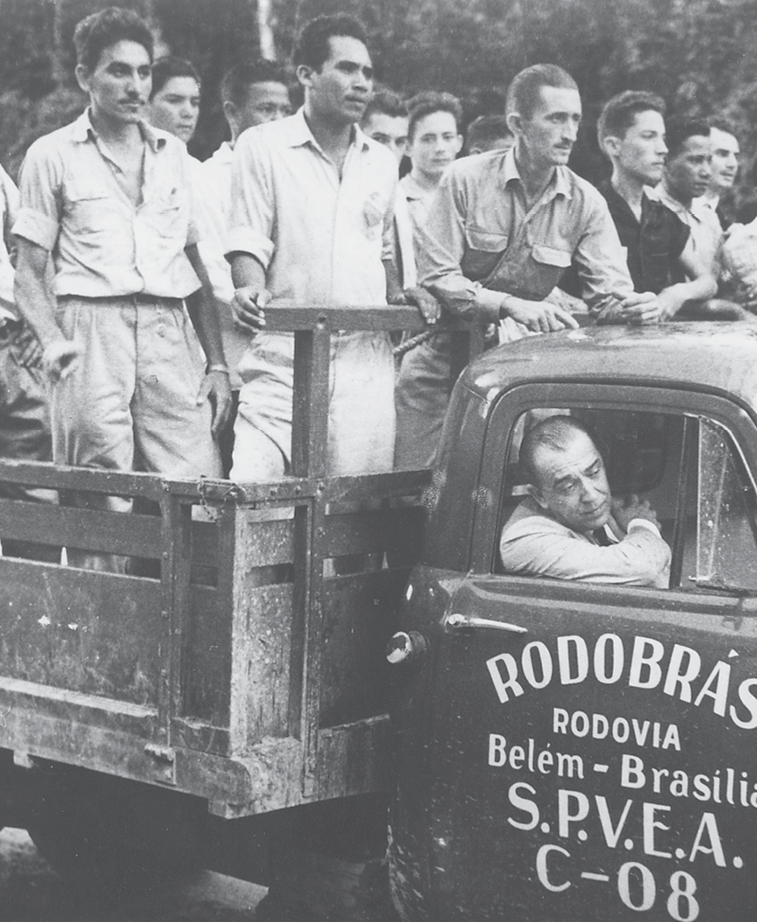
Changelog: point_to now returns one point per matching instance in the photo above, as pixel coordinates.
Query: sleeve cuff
(644, 523)
(37, 228)
(245, 240)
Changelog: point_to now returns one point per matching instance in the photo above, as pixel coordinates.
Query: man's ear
(230, 114)
(611, 145)
(460, 140)
(534, 491)
(515, 124)
(82, 77)
(305, 75)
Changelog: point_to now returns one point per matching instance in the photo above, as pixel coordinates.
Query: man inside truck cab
(502, 230)
(570, 526)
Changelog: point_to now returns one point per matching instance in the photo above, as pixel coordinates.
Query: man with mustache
(659, 251)
(725, 166)
(108, 197)
(502, 229)
(571, 527)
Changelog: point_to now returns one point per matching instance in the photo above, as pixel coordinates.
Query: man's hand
(60, 358)
(248, 307)
(539, 316)
(631, 507)
(425, 302)
(216, 388)
(642, 307)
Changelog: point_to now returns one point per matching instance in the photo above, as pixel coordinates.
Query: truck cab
(580, 750)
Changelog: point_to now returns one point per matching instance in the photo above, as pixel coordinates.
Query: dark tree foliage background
(698, 54)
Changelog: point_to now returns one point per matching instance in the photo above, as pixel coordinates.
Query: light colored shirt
(481, 240)
(74, 206)
(403, 225)
(703, 222)
(418, 199)
(320, 239)
(535, 544)
(9, 200)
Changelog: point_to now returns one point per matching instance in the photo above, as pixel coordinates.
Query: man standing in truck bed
(109, 197)
(502, 229)
(312, 219)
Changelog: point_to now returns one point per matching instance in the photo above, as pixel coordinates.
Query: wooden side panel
(357, 624)
(354, 759)
(100, 635)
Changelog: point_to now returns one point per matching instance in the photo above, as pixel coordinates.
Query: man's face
(725, 160)
(340, 90)
(435, 143)
(689, 172)
(573, 484)
(120, 84)
(641, 153)
(176, 107)
(264, 102)
(547, 138)
(389, 130)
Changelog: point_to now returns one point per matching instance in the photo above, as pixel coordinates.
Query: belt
(137, 298)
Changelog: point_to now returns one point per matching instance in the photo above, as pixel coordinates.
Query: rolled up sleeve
(38, 217)
(252, 201)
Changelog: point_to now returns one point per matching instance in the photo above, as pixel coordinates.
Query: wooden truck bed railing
(248, 667)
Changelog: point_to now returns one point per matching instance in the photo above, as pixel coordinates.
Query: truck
(329, 686)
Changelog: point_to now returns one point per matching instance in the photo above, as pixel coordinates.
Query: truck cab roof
(719, 357)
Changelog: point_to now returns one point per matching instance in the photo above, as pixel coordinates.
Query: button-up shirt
(74, 205)
(321, 239)
(653, 245)
(706, 232)
(481, 239)
(8, 210)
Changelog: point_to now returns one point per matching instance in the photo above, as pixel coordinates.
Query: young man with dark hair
(502, 229)
(109, 198)
(488, 132)
(312, 221)
(252, 93)
(434, 140)
(175, 98)
(687, 174)
(631, 132)
(725, 166)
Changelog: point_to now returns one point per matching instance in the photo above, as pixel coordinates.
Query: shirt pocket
(551, 256)
(483, 251)
(374, 209)
(91, 212)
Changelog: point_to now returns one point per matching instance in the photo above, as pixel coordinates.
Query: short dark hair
(100, 30)
(387, 102)
(485, 130)
(164, 69)
(238, 79)
(426, 103)
(619, 113)
(524, 93)
(554, 432)
(313, 47)
(724, 125)
(680, 129)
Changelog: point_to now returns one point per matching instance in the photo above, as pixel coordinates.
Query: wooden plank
(310, 408)
(346, 318)
(366, 531)
(354, 759)
(359, 619)
(207, 686)
(111, 532)
(81, 630)
(94, 480)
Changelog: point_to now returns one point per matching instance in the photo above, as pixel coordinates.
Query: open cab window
(690, 470)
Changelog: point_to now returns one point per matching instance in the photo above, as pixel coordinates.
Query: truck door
(594, 750)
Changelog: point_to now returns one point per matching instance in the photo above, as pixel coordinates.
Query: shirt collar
(559, 184)
(298, 133)
(83, 131)
(661, 194)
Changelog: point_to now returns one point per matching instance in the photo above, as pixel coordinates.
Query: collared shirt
(73, 205)
(321, 239)
(535, 544)
(8, 210)
(418, 199)
(482, 240)
(706, 232)
(653, 245)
